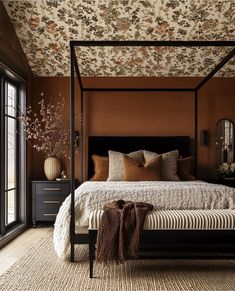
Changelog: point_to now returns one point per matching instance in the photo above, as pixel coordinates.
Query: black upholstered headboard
(100, 145)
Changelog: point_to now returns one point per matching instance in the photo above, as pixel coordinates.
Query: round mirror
(225, 148)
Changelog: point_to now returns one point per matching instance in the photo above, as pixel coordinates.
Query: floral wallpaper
(151, 61)
(44, 28)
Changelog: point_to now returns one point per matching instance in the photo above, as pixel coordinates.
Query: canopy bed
(214, 239)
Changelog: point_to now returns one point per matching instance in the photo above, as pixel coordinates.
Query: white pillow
(116, 164)
(169, 164)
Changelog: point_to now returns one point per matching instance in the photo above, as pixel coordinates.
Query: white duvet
(163, 195)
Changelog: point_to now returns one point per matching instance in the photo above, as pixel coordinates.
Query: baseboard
(13, 233)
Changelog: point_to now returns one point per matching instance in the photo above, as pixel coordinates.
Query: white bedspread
(163, 195)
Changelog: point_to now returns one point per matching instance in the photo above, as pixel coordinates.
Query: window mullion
(6, 154)
(9, 116)
(18, 154)
(2, 155)
(11, 189)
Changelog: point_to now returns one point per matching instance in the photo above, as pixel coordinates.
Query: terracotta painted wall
(52, 88)
(216, 101)
(152, 113)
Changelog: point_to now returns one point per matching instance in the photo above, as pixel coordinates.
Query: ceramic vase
(52, 168)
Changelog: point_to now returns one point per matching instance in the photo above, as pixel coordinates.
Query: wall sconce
(76, 137)
(204, 137)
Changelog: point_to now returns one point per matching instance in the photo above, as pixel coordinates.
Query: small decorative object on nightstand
(47, 197)
(63, 176)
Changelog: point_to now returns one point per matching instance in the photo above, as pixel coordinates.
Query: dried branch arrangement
(45, 131)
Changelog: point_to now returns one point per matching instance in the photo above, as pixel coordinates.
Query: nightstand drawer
(46, 215)
(56, 188)
(49, 201)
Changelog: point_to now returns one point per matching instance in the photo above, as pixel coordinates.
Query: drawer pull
(51, 202)
(50, 214)
(51, 189)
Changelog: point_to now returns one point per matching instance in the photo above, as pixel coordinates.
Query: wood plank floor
(10, 253)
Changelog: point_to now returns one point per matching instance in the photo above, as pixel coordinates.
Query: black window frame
(6, 76)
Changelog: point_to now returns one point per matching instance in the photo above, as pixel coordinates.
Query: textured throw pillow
(116, 164)
(101, 168)
(149, 155)
(150, 171)
(184, 169)
(169, 164)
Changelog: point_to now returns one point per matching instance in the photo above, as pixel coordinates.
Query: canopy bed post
(147, 43)
(81, 140)
(81, 119)
(72, 186)
(195, 131)
(74, 66)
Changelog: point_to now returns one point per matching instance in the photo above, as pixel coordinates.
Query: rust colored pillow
(101, 168)
(184, 169)
(151, 171)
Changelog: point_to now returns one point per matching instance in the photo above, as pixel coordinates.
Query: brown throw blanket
(120, 230)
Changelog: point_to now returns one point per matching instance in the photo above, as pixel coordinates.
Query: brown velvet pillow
(151, 171)
(184, 169)
(101, 168)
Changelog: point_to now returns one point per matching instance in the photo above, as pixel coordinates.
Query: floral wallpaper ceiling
(44, 28)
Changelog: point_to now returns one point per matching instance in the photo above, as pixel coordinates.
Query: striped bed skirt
(179, 219)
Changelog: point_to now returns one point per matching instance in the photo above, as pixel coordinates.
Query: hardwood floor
(15, 249)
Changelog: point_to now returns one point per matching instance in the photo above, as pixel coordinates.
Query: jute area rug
(41, 269)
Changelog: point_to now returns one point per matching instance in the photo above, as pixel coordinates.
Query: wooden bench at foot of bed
(180, 234)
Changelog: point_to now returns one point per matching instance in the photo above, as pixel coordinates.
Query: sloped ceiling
(44, 29)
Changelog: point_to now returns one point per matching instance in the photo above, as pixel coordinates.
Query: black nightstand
(226, 181)
(47, 197)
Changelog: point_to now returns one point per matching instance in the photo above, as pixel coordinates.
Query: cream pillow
(149, 155)
(169, 164)
(116, 164)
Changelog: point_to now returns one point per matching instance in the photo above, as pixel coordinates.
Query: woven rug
(41, 269)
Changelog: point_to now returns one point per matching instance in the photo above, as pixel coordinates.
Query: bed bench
(180, 234)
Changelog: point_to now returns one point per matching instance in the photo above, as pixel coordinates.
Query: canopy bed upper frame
(74, 67)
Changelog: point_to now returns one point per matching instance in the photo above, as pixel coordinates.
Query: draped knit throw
(120, 230)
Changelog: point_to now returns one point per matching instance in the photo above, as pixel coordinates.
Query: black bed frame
(170, 243)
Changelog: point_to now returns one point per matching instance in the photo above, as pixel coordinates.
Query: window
(12, 154)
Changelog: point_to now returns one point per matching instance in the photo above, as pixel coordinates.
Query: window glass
(11, 153)
(10, 206)
(11, 157)
(11, 100)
